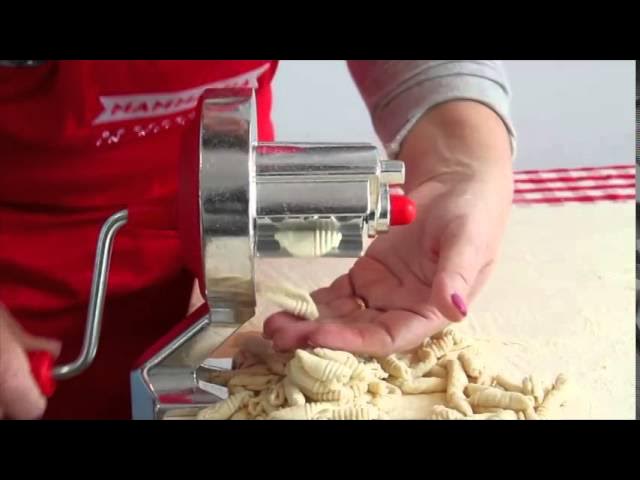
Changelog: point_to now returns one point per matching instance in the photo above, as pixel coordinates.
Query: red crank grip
(402, 210)
(42, 370)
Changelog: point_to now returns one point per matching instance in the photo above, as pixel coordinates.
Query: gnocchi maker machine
(239, 199)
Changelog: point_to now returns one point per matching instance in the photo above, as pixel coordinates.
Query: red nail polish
(459, 304)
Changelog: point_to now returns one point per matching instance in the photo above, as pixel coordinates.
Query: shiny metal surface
(392, 172)
(96, 300)
(303, 187)
(171, 381)
(259, 199)
(21, 63)
(228, 200)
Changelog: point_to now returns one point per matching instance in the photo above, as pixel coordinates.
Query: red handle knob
(403, 210)
(42, 370)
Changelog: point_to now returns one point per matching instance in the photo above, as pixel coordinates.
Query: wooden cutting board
(562, 299)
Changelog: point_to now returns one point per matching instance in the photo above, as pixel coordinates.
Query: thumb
(462, 256)
(29, 342)
(20, 397)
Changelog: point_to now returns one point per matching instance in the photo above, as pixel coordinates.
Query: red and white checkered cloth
(577, 185)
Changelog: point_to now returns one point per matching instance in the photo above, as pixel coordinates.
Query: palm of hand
(406, 278)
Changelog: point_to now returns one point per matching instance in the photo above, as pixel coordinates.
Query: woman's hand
(416, 279)
(20, 396)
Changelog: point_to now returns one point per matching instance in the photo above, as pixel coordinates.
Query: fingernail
(457, 300)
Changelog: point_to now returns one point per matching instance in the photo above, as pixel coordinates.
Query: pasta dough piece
(440, 412)
(323, 369)
(395, 367)
(255, 406)
(421, 385)
(343, 395)
(437, 371)
(555, 399)
(294, 396)
(308, 411)
(368, 371)
(255, 383)
(470, 364)
(532, 385)
(268, 401)
(443, 413)
(458, 401)
(457, 381)
(381, 387)
(315, 242)
(442, 379)
(452, 354)
(265, 403)
(345, 358)
(242, 414)
(480, 416)
(359, 412)
(275, 395)
(472, 388)
(222, 377)
(305, 382)
(360, 371)
(440, 344)
(508, 384)
(492, 397)
(477, 409)
(503, 415)
(364, 398)
(424, 366)
(292, 300)
(225, 409)
(449, 333)
(485, 379)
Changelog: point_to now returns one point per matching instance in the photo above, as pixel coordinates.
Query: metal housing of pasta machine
(249, 200)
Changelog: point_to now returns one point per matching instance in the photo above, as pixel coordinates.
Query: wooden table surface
(562, 299)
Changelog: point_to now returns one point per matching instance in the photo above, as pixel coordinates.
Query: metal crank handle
(42, 363)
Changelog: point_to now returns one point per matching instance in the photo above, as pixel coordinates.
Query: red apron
(80, 140)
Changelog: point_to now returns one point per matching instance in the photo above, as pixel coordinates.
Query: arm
(399, 93)
(453, 112)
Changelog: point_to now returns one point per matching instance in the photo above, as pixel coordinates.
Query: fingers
(278, 321)
(20, 396)
(29, 342)
(462, 255)
(389, 332)
(287, 331)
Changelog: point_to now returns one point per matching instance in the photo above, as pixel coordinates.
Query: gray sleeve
(399, 92)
